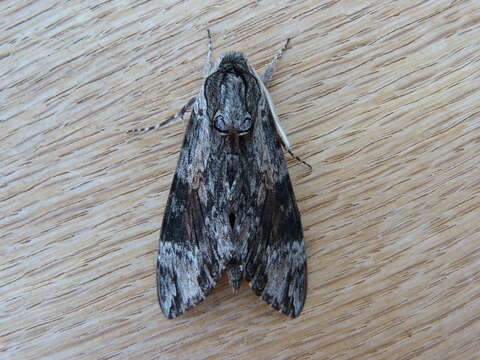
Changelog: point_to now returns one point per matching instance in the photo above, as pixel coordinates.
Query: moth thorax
(233, 115)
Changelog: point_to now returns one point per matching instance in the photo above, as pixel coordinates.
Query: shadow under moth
(231, 204)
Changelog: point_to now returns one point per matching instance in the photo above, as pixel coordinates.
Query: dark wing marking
(275, 262)
(188, 264)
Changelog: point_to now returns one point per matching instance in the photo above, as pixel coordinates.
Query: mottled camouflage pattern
(231, 205)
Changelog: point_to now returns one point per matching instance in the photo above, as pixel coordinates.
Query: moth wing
(276, 266)
(188, 263)
(276, 263)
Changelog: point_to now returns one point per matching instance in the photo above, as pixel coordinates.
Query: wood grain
(380, 97)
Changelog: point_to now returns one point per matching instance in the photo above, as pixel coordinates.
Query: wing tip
(171, 296)
(291, 300)
(173, 312)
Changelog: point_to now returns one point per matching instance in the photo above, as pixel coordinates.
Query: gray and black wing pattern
(231, 204)
(189, 263)
(275, 262)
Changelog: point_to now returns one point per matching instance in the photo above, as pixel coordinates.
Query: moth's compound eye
(246, 126)
(219, 124)
(233, 124)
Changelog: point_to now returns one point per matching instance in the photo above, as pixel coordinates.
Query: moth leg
(179, 114)
(268, 72)
(208, 62)
(298, 158)
(265, 79)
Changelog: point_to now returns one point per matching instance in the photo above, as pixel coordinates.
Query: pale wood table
(382, 98)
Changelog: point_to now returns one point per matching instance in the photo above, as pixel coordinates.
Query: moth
(231, 205)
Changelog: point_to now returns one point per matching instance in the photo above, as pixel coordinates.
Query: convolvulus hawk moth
(231, 204)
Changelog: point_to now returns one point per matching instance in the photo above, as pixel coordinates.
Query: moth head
(232, 94)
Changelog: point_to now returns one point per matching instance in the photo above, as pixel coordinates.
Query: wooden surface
(380, 97)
